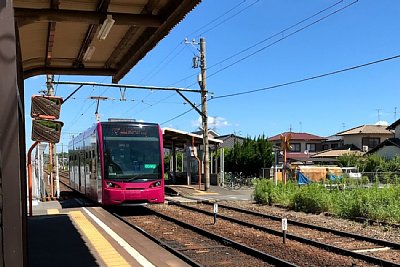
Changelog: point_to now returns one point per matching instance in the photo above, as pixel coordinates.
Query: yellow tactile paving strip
(104, 249)
(197, 192)
(53, 211)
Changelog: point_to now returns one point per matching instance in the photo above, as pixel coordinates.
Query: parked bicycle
(236, 181)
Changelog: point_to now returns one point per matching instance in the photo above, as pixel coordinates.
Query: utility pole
(52, 147)
(203, 113)
(203, 86)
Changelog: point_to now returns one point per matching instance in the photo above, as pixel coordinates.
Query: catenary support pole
(203, 84)
(52, 147)
(57, 179)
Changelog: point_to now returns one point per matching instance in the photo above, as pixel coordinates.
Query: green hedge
(380, 204)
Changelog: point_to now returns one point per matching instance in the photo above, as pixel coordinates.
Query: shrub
(380, 204)
(312, 198)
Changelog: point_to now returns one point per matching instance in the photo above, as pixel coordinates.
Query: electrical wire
(217, 18)
(192, 33)
(160, 66)
(281, 39)
(180, 115)
(229, 18)
(308, 78)
(292, 82)
(276, 34)
(77, 118)
(269, 38)
(55, 90)
(204, 26)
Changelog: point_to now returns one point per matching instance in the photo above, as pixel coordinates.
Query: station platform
(73, 233)
(60, 234)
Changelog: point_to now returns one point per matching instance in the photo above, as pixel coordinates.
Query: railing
(381, 177)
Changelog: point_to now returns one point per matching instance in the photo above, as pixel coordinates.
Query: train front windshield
(132, 153)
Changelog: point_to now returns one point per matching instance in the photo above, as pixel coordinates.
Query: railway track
(158, 221)
(242, 237)
(195, 245)
(373, 251)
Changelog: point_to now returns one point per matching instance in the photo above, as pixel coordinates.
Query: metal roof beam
(50, 34)
(102, 6)
(27, 16)
(69, 71)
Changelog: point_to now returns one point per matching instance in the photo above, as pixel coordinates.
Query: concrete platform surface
(88, 236)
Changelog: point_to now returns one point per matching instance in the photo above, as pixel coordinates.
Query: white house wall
(353, 140)
(388, 152)
(357, 139)
(397, 131)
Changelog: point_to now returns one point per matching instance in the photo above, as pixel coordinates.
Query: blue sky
(365, 31)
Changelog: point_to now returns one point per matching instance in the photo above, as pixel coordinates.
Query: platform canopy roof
(65, 36)
(178, 139)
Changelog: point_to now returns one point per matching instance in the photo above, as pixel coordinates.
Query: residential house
(229, 140)
(330, 156)
(332, 142)
(390, 147)
(365, 137)
(302, 145)
(211, 133)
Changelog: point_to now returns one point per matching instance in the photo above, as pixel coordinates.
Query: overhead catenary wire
(171, 56)
(293, 82)
(270, 37)
(202, 27)
(217, 18)
(276, 34)
(194, 32)
(281, 39)
(229, 18)
(308, 78)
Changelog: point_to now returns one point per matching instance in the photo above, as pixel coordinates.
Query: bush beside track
(373, 203)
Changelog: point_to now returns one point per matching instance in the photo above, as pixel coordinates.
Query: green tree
(250, 156)
(349, 160)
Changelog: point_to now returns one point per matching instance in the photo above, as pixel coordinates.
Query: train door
(82, 172)
(76, 172)
(99, 174)
(87, 174)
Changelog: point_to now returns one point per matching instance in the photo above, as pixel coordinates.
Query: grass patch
(380, 204)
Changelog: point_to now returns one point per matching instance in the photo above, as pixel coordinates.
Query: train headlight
(156, 184)
(112, 185)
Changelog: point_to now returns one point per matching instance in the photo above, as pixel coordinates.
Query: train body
(118, 163)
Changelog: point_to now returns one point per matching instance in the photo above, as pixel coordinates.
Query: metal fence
(380, 177)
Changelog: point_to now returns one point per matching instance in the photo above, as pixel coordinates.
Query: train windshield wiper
(139, 176)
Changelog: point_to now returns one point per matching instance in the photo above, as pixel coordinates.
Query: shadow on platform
(54, 241)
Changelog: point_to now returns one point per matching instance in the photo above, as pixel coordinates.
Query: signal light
(46, 130)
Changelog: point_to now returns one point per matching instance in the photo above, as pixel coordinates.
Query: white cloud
(213, 122)
(383, 123)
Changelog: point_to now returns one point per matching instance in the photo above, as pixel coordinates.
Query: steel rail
(327, 247)
(225, 241)
(312, 226)
(177, 253)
